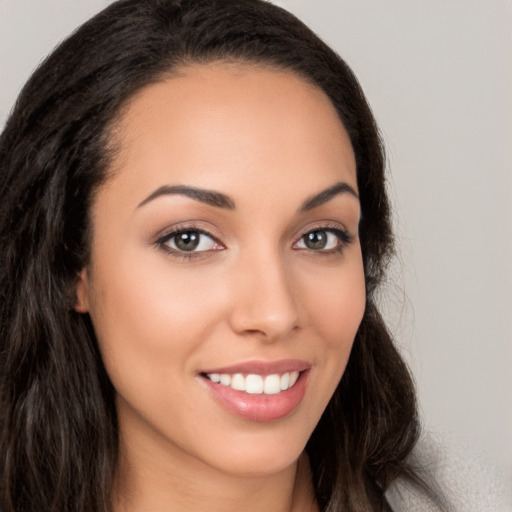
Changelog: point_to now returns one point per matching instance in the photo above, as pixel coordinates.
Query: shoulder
(461, 480)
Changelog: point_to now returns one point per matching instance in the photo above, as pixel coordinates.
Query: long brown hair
(58, 426)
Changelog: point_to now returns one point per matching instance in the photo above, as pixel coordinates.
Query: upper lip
(262, 367)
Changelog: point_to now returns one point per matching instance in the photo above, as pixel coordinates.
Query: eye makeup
(189, 242)
(324, 240)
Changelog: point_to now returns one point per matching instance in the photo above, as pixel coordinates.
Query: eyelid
(344, 236)
(326, 225)
(161, 241)
(191, 225)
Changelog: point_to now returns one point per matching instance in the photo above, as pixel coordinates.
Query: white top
(469, 482)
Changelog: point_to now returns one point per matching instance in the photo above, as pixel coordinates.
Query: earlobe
(82, 293)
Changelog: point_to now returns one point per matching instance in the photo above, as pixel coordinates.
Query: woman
(193, 228)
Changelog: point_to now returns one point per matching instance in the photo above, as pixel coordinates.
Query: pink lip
(261, 408)
(263, 367)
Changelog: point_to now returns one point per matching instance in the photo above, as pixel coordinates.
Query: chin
(259, 454)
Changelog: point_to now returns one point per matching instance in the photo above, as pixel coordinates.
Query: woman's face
(225, 247)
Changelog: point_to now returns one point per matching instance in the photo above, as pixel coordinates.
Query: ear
(82, 292)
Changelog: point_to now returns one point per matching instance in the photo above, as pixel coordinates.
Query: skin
(269, 141)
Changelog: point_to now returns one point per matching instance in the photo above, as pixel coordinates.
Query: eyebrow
(221, 200)
(204, 196)
(326, 195)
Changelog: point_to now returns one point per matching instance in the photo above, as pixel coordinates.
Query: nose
(264, 301)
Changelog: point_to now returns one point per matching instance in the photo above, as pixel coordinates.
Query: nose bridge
(264, 299)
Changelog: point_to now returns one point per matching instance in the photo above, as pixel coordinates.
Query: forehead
(219, 125)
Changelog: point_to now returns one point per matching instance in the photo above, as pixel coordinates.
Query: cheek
(151, 323)
(147, 318)
(336, 310)
(336, 302)
(335, 306)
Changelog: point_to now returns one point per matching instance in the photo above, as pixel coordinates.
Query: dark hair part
(58, 426)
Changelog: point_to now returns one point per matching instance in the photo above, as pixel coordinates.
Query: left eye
(189, 241)
(319, 240)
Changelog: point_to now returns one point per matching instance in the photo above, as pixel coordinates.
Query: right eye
(188, 241)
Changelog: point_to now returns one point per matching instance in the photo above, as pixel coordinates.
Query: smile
(256, 384)
(258, 390)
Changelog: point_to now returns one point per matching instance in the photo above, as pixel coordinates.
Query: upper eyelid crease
(338, 232)
(343, 235)
(166, 236)
(163, 241)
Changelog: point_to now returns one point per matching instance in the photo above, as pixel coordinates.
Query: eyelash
(162, 242)
(343, 236)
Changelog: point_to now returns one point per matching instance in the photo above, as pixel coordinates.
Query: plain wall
(438, 76)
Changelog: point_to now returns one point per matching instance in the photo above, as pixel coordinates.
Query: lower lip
(259, 407)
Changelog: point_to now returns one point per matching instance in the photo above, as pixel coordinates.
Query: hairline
(113, 128)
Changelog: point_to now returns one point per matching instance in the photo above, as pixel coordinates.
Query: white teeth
(256, 384)
(272, 385)
(225, 379)
(238, 382)
(285, 381)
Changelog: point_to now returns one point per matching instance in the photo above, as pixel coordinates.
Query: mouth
(259, 391)
(255, 384)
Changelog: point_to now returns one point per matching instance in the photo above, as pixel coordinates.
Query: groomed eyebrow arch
(220, 200)
(204, 196)
(326, 195)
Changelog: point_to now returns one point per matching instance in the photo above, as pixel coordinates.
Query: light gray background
(439, 78)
